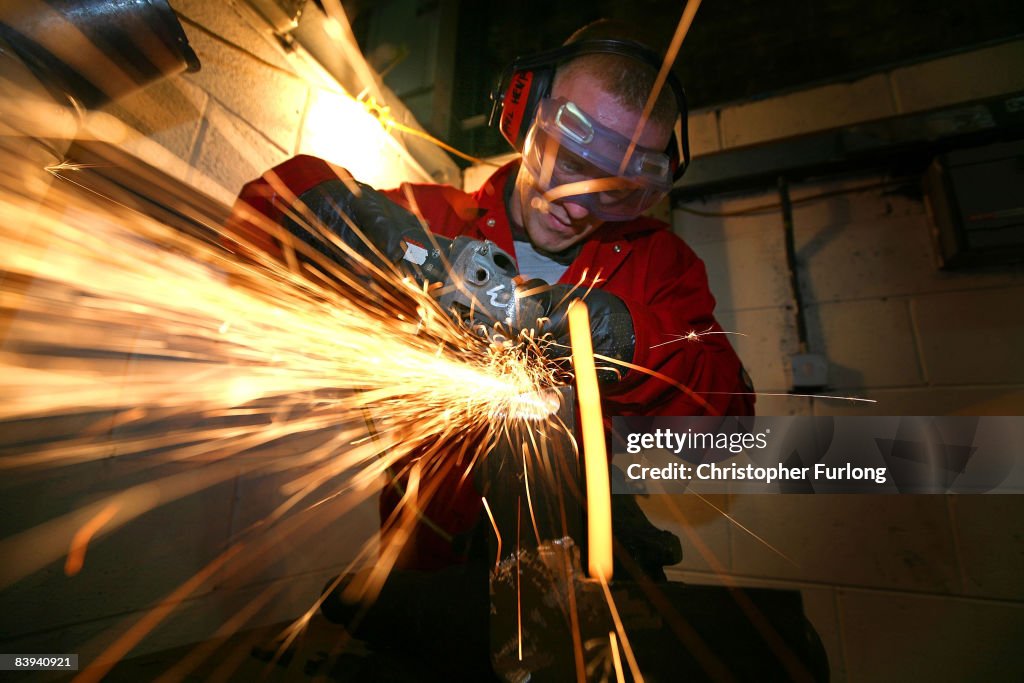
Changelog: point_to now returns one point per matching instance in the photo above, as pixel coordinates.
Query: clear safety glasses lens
(574, 158)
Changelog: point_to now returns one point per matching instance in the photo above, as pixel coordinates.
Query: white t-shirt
(534, 264)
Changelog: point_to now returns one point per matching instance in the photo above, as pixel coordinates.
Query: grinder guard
(482, 287)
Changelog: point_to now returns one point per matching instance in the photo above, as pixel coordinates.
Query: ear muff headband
(528, 80)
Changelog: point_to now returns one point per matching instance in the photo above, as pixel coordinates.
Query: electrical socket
(810, 370)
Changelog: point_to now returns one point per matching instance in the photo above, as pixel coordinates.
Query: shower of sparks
(122, 338)
(125, 340)
(88, 292)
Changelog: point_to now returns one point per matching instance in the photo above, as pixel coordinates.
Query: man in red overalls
(569, 211)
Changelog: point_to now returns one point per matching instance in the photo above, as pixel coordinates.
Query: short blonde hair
(626, 78)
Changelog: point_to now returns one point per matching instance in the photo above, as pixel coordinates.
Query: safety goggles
(574, 158)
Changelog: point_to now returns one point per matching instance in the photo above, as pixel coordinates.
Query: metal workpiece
(532, 482)
(481, 285)
(570, 628)
(544, 612)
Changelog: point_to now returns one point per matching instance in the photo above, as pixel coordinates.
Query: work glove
(611, 328)
(393, 236)
(478, 279)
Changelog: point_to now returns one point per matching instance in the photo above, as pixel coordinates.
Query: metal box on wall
(976, 200)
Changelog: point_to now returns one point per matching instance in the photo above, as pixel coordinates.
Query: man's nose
(575, 211)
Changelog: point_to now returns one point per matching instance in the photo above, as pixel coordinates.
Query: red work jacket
(661, 280)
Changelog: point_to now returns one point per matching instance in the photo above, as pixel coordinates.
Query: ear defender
(528, 80)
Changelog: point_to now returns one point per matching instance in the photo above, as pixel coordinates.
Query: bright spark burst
(66, 165)
(121, 336)
(90, 289)
(695, 336)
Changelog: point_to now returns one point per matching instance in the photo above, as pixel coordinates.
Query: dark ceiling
(736, 49)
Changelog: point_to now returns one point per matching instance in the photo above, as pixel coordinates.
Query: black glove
(611, 327)
(398, 236)
(478, 277)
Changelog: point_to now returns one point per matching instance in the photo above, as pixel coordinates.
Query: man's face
(559, 225)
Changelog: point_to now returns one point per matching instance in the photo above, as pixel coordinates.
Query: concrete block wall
(897, 586)
(254, 104)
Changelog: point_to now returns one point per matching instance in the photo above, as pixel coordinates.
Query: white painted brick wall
(229, 152)
(987, 532)
(765, 339)
(828, 106)
(972, 337)
(703, 133)
(892, 637)
(868, 343)
(168, 113)
(896, 542)
(744, 254)
(268, 99)
(963, 77)
(935, 83)
(931, 400)
(874, 571)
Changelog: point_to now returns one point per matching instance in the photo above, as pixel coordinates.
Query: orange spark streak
(711, 410)
(755, 536)
(548, 165)
(497, 559)
(574, 617)
(616, 659)
(80, 541)
(526, 485)
(595, 453)
(592, 185)
(670, 56)
(519, 578)
(634, 667)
